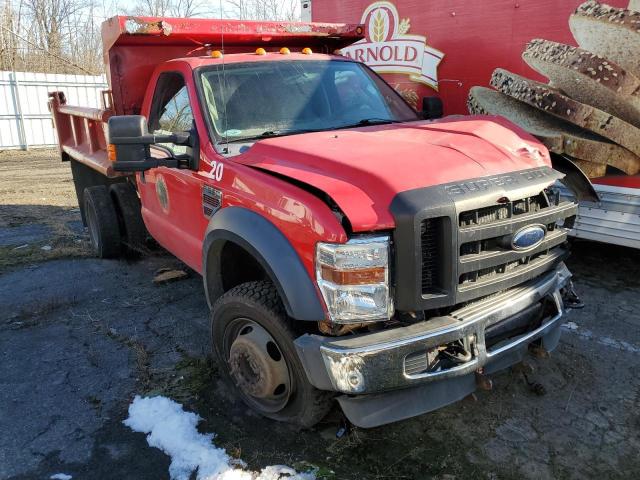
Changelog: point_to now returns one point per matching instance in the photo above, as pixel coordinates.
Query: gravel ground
(79, 337)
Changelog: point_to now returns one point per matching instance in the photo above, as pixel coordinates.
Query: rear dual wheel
(114, 219)
(133, 233)
(102, 222)
(253, 342)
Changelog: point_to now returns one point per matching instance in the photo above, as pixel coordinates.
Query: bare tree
(172, 8)
(58, 36)
(48, 18)
(263, 9)
(63, 36)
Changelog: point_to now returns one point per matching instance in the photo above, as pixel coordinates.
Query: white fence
(25, 120)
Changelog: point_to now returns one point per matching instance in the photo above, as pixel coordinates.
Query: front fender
(271, 249)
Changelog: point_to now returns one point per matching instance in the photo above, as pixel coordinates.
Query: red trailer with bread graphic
(566, 71)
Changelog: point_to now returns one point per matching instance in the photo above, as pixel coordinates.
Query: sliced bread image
(590, 169)
(557, 135)
(611, 32)
(587, 78)
(553, 101)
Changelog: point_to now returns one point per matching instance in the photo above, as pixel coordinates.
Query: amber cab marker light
(261, 51)
(216, 54)
(364, 276)
(111, 152)
(307, 51)
(284, 51)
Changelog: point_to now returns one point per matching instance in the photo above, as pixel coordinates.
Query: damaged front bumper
(385, 375)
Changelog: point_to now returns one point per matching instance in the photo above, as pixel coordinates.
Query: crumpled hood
(363, 169)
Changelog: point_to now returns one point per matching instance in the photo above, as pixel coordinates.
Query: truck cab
(349, 248)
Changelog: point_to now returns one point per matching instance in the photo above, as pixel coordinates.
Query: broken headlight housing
(354, 279)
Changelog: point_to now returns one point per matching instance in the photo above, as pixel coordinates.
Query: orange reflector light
(307, 51)
(353, 277)
(261, 51)
(216, 54)
(284, 51)
(111, 152)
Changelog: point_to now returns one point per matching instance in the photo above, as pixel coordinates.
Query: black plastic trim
(271, 249)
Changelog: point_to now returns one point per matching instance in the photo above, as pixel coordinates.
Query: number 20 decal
(217, 170)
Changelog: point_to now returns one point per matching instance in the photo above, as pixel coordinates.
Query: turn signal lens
(307, 51)
(216, 54)
(364, 276)
(285, 51)
(261, 51)
(111, 152)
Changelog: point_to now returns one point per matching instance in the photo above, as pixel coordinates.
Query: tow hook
(570, 298)
(538, 351)
(482, 381)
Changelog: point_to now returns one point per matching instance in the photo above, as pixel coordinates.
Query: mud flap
(574, 179)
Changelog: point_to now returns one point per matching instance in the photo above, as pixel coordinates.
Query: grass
(36, 188)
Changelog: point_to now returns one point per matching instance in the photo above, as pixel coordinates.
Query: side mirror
(127, 134)
(431, 108)
(130, 141)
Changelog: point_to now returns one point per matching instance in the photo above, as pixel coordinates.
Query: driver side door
(167, 193)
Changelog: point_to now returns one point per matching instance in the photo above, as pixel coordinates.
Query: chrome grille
(486, 262)
(491, 272)
(486, 256)
(495, 213)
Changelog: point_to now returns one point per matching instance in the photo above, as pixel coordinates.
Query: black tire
(102, 222)
(128, 208)
(259, 302)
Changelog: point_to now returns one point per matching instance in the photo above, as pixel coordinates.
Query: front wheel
(253, 343)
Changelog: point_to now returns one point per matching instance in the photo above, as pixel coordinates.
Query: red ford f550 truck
(350, 248)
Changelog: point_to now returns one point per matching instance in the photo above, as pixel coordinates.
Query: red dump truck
(351, 247)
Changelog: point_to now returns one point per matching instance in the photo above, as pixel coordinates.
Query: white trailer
(614, 219)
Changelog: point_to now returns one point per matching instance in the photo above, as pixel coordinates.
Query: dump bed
(134, 46)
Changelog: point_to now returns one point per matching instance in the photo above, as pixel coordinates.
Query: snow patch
(172, 430)
(60, 476)
(600, 339)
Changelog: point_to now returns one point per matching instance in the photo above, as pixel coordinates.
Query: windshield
(263, 99)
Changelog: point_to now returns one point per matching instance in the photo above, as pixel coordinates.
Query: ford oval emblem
(528, 237)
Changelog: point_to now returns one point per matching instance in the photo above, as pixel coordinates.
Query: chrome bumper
(377, 362)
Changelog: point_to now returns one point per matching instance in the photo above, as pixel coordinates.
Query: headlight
(354, 279)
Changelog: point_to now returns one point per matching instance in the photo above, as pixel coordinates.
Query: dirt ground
(79, 337)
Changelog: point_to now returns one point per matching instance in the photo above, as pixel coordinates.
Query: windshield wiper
(281, 133)
(365, 122)
(266, 134)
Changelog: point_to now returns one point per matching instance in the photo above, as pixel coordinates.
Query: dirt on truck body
(351, 249)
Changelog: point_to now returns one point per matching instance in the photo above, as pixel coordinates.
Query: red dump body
(134, 46)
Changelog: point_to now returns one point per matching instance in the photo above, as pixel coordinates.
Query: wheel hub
(258, 367)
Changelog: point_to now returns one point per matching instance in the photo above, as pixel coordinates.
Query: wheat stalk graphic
(378, 27)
